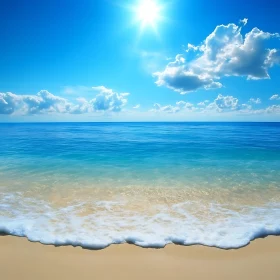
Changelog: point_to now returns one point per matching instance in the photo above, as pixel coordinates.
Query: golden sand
(21, 259)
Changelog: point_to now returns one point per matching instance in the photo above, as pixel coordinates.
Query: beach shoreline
(23, 259)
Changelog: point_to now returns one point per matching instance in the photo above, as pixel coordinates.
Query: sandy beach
(21, 259)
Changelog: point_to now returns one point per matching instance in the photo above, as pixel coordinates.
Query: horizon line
(42, 122)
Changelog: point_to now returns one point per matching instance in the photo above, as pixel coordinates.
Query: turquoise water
(94, 184)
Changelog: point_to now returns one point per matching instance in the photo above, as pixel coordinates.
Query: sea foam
(100, 224)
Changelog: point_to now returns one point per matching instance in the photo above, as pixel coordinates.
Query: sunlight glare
(148, 12)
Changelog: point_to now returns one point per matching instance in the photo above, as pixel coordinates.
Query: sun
(148, 12)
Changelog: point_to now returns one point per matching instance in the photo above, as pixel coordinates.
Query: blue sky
(93, 60)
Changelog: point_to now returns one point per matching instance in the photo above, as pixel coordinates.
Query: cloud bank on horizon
(44, 102)
(108, 101)
(221, 104)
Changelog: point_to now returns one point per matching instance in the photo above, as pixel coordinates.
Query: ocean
(149, 184)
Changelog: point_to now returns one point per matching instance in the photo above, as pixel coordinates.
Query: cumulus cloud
(82, 106)
(224, 103)
(137, 106)
(274, 109)
(220, 105)
(255, 101)
(178, 77)
(167, 109)
(107, 100)
(275, 97)
(9, 102)
(225, 52)
(178, 107)
(203, 103)
(244, 21)
(45, 102)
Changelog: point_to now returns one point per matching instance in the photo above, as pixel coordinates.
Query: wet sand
(21, 259)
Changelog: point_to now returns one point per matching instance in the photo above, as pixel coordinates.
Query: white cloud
(274, 109)
(167, 109)
(220, 105)
(184, 105)
(244, 21)
(44, 103)
(275, 97)
(192, 48)
(136, 106)
(255, 101)
(9, 102)
(180, 106)
(224, 103)
(107, 100)
(82, 107)
(203, 103)
(178, 77)
(225, 52)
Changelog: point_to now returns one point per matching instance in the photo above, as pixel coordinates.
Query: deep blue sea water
(94, 184)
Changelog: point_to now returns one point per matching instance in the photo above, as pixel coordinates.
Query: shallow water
(94, 184)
